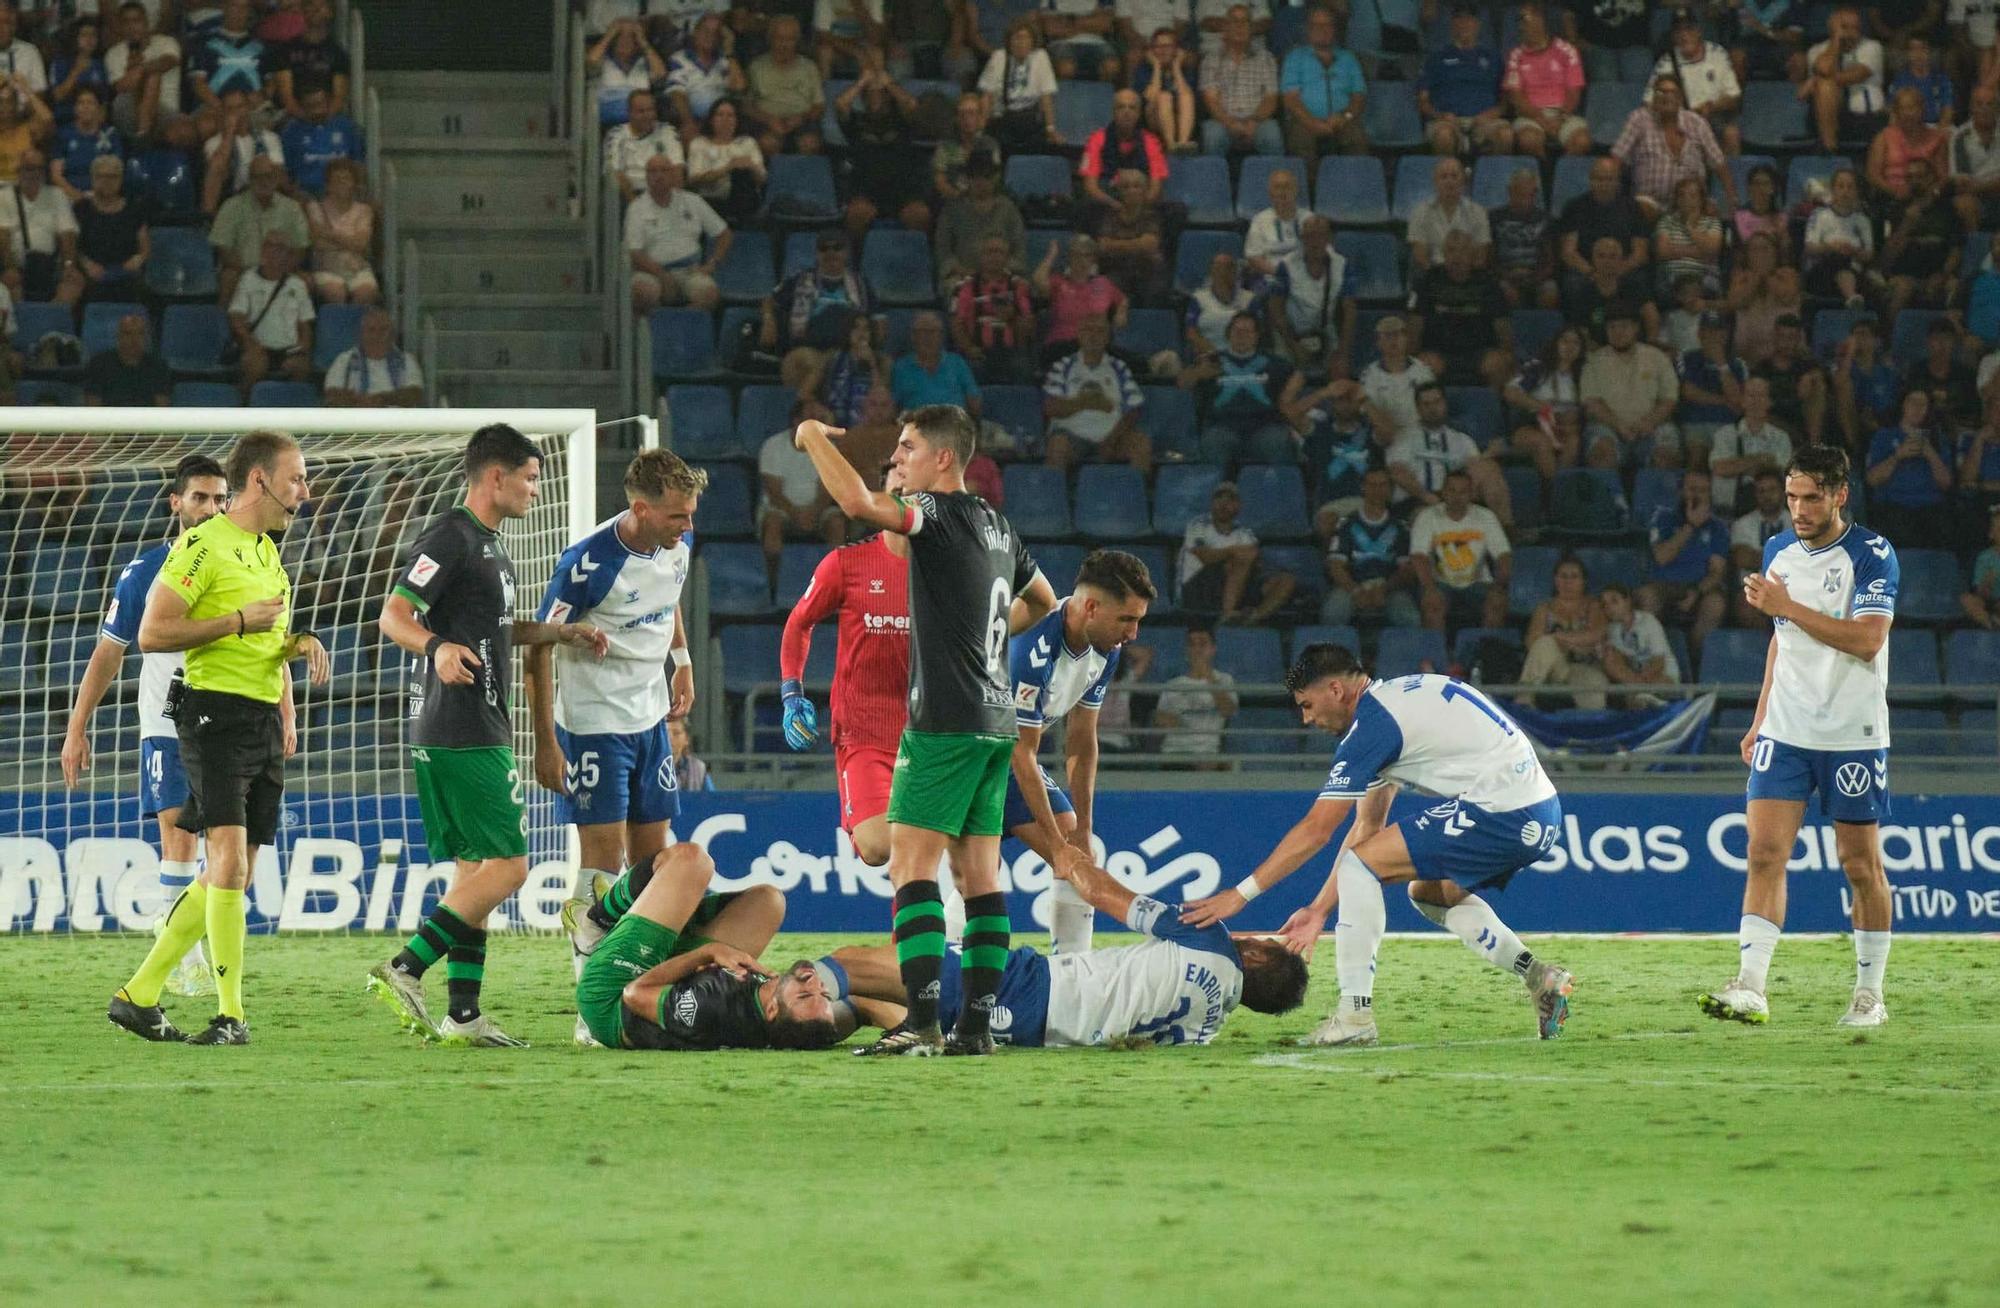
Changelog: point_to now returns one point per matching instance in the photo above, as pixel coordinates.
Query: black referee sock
(436, 936)
(919, 937)
(986, 937)
(464, 970)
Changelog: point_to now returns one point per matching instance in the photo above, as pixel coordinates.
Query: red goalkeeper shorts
(863, 773)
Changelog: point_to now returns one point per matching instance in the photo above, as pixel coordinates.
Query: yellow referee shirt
(218, 568)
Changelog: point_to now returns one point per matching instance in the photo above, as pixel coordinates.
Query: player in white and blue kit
(1061, 667)
(198, 492)
(1440, 737)
(601, 732)
(1822, 725)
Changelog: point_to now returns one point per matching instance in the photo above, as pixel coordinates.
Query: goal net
(84, 491)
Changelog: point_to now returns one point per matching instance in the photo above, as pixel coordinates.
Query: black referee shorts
(233, 749)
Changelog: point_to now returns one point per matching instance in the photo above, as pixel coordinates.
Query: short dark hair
(1614, 588)
(1825, 464)
(794, 1033)
(1318, 661)
(192, 466)
(1766, 474)
(1941, 327)
(1427, 387)
(1117, 574)
(948, 427)
(497, 444)
(1571, 556)
(1274, 978)
(255, 450)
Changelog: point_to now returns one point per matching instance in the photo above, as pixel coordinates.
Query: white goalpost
(84, 491)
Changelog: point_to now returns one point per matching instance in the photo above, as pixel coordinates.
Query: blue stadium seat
(1907, 338)
(1653, 489)
(725, 507)
(1492, 174)
(1733, 657)
(745, 275)
(1038, 243)
(192, 337)
(1082, 108)
(730, 330)
(801, 252)
(1913, 659)
(1110, 503)
(1602, 564)
(1972, 658)
(1201, 182)
(1352, 190)
(1465, 642)
(899, 320)
(1390, 117)
(1774, 118)
(1263, 729)
(1249, 654)
(1288, 28)
(1029, 176)
(1931, 586)
(1037, 501)
(1314, 634)
(1148, 331)
(749, 655)
(206, 395)
(795, 572)
(897, 262)
(1606, 107)
(1059, 563)
(1197, 250)
(284, 395)
(1414, 184)
(1374, 268)
(1976, 255)
(703, 422)
(182, 263)
(1475, 411)
(100, 325)
(1571, 180)
(1922, 732)
(54, 580)
(1740, 169)
(829, 120)
(737, 583)
(1563, 496)
(1830, 327)
(1534, 578)
(1402, 650)
(32, 321)
(1253, 185)
(761, 411)
(1170, 420)
(337, 329)
(1017, 410)
(1161, 569)
(1274, 501)
(1806, 168)
(1306, 564)
(799, 188)
(166, 179)
(36, 391)
(1976, 733)
(683, 344)
(1180, 495)
(1533, 330)
(1524, 484)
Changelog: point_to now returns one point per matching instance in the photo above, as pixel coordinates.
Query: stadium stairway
(496, 266)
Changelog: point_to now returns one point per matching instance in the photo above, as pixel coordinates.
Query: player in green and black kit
(967, 565)
(453, 607)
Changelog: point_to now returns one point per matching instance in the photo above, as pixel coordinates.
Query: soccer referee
(222, 597)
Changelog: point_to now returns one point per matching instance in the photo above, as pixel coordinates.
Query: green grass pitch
(1649, 1156)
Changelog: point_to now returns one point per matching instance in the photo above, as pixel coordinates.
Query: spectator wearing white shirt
(144, 69)
(1975, 40)
(1747, 448)
(1312, 315)
(1636, 651)
(1221, 564)
(1274, 232)
(1196, 706)
(41, 232)
(1093, 405)
(793, 503)
(1215, 303)
(1389, 385)
(622, 61)
(1462, 560)
(1974, 155)
(18, 58)
(1447, 211)
(1844, 87)
(1747, 536)
(699, 74)
(629, 145)
(374, 374)
(271, 317)
(1708, 80)
(1019, 84)
(664, 231)
(1425, 455)
(232, 150)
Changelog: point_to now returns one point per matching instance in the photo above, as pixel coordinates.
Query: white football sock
(583, 883)
(1475, 922)
(954, 903)
(1358, 932)
(1756, 941)
(1871, 959)
(1072, 923)
(176, 876)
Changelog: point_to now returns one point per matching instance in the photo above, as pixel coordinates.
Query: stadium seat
(1307, 565)
(749, 655)
(1583, 510)
(182, 264)
(1414, 184)
(1059, 563)
(1110, 503)
(1731, 656)
(100, 326)
(337, 329)
(1533, 580)
(1253, 185)
(1606, 107)
(1249, 654)
(284, 395)
(1494, 172)
(795, 573)
(54, 580)
(1465, 643)
(1807, 168)
(1032, 176)
(1082, 108)
(1288, 28)
(1263, 729)
(1572, 178)
(1037, 501)
(166, 180)
(1774, 118)
(351, 651)
(1390, 116)
(1161, 569)
(1374, 267)
(1533, 330)
(1922, 732)
(1908, 336)
(206, 395)
(897, 262)
(191, 337)
(761, 412)
(1180, 495)
(799, 188)
(737, 583)
(829, 120)
(683, 344)
(1403, 650)
(1972, 658)
(1976, 733)
(1314, 634)
(1016, 410)
(1039, 241)
(1148, 331)
(702, 422)
(40, 391)
(1830, 327)
(1197, 250)
(1524, 484)
(1201, 182)
(1170, 420)
(32, 321)
(1274, 501)
(898, 335)
(1931, 586)
(1913, 658)
(1976, 256)
(745, 275)
(1653, 489)
(1352, 190)
(1740, 169)
(1607, 564)
(1475, 411)
(724, 508)
(801, 252)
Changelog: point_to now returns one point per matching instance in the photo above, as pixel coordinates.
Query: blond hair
(655, 472)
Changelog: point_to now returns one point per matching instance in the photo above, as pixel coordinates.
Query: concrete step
(532, 389)
(476, 238)
(416, 143)
(505, 222)
(543, 350)
(487, 189)
(442, 84)
(515, 313)
(505, 269)
(529, 116)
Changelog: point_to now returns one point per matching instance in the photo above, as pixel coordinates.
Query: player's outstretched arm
(1098, 888)
(844, 484)
(97, 678)
(573, 635)
(1080, 749)
(820, 602)
(1302, 929)
(1307, 837)
(551, 768)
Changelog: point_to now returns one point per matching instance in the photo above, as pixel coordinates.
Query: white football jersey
(633, 599)
(1821, 698)
(121, 626)
(1176, 987)
(1049, 678)
(1438, 736)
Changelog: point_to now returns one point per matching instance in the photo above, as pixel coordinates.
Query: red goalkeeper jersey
(870, 588)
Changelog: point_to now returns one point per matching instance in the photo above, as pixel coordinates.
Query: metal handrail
(410, 304)
(371, 135)
(392, 253)
(565, 58)
(428, 356)
(351, 22)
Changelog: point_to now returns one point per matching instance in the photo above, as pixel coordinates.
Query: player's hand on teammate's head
(1213, 909)
(454, 664)
(1301, 932)
(814, 427)
(262, 615)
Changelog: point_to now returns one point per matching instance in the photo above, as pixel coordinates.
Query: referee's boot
(147, 1021)
(222, 1030)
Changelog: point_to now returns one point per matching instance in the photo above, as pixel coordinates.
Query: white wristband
(1248, 888)
(680, 656)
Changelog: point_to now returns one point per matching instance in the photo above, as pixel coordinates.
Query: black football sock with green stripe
(617, 901)
(464, 970)
(985, 958)
(919, 936)
(436, 936)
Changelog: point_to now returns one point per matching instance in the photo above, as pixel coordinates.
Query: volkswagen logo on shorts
(666, 777)
(1852, 779)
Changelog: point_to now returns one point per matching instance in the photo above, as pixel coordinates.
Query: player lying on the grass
(679, 970)
(197, 493)
(1441, 737)
(1176, 987)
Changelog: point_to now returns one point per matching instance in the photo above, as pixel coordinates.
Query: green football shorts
(954, 782)
(472, 802)
(634, 947)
